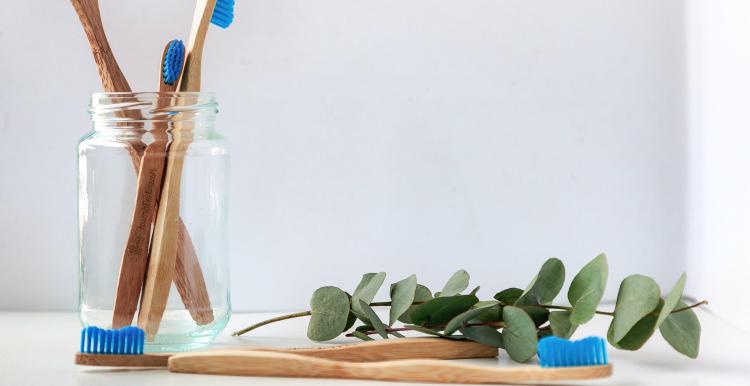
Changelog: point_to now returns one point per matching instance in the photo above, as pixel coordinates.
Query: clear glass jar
(120, 200)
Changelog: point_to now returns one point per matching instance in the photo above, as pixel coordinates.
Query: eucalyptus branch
(512, 324)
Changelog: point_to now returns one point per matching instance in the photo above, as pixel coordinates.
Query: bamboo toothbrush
(584, 359)
(189, 277)
(135, 257)
(95, 351)
(164, 247)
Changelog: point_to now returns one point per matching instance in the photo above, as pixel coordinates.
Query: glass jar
(153, 179)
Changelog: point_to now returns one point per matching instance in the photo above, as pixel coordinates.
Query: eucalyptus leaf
(561, 325)
(546, 284)
(682, 331)
(402, 296)
(329, 312)
(474, 291)
(639, 334)
(459, 320)
(519, 334)
(422, 294)
(374, 319)
(670, 302)
(364, 328)
(361, 335)
(439, 311)
(587, 288)
(638, 296)
(493, 313)
(457, 283)
(351, 319)
(366, 290)
(485, 335)
(538, 314)
(509, 297)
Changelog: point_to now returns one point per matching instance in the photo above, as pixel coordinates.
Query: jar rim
(104, 94)
(119, 107)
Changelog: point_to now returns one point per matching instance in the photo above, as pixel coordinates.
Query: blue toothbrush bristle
(124, 341)
(173, 60)
(223, 13)
(558, 352)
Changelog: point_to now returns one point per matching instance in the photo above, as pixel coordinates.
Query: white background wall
(407, 136)
(719, 154)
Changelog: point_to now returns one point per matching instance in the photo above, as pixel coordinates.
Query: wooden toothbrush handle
(109, 71)
(391, 349)
(135, 257)
(163, 254)
(275, 364)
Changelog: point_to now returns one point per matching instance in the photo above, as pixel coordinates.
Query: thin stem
(700, 303)
(272, 320)
(551, 307)
(387, 329)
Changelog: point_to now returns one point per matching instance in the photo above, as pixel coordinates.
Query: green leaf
(474, 291)
(538, 314)
(374, 319)
(639, 334)
(459, 320)
(682, 331)
(330, 309)
(361, 335)
(509, 297)
(366, 290)
(351, 319)
(422, 294)
(439, 311)
(485, 335)
(364, 328)
(587, 289)
(519, 334)
(402, 296)
(638, 296)
(546, 284)
(457, 283)
(561, 325)
(670, 302)
(423, 330)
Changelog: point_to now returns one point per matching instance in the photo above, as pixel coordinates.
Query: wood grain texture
(372, 351)
(276, 364)
(145, 360)
(109, 71)
(391, 349)
(191, 76)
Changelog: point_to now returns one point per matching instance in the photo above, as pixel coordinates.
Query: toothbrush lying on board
(563, 361)
(188, 277)
(98, 350)
(164, 246)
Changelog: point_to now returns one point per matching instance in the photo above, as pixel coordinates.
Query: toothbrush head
(558, 352)
(174, 57)
(223, 13)
(124, 341)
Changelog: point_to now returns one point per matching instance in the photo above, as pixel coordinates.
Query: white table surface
(38, 349)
